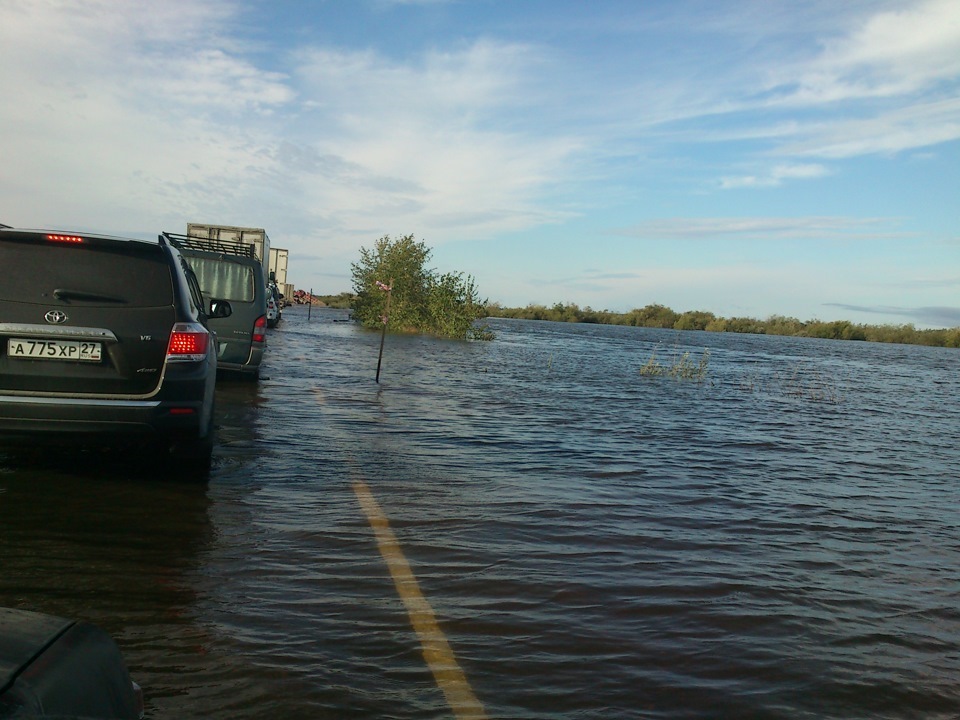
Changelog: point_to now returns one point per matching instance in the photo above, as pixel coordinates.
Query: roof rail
(226, 247)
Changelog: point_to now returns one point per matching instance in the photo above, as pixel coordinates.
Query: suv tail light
(260, 329)
(188, 343)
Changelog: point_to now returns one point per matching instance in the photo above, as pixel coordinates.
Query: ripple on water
(779, 541)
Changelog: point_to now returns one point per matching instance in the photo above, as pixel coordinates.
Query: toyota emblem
(55, 317)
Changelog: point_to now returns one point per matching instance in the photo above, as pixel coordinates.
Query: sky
(748, 158)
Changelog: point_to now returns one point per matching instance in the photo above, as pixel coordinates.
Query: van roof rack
(226, 247)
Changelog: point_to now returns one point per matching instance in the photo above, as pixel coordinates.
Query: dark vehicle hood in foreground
(22, 636)
(50, 666)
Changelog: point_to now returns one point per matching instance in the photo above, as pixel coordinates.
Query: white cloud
(156, 55)
(930, 317)
(890, 53)
(460, 86)
(428, 126)
(766, 228)
(885, 83)
(214, 81)
(914, 126)
(776, 176)
(161, 106)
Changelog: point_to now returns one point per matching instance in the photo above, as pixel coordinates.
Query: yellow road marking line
(436, 650)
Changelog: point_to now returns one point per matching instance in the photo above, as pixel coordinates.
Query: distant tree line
(659, 316)
(342, 300)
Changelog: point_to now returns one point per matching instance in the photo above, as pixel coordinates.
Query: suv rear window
(128, 275)
(223, 279)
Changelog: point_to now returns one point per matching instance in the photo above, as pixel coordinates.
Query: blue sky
(746, 158)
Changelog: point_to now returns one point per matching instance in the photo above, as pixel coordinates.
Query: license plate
(55, 349)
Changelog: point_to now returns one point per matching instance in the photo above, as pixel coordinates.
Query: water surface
(781, 540)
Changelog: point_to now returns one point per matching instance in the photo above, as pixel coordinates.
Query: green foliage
(343, 300)
(659, 316)
(453, 307)
(943, 338)
(780, 325)
(652, 316)
(400, 263)
(838, 330)
(741, 325)
(560, 312)
(421, 300)
(694, 320)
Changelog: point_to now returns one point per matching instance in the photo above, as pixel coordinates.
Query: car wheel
(193, 457)
(191, 463)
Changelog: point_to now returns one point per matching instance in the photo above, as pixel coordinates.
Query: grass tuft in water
(680, 367)
(800, 384)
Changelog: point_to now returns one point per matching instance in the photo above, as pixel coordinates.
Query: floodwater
(527, 528)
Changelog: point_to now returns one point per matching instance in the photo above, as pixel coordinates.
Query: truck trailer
(279, 258)
(257, 237)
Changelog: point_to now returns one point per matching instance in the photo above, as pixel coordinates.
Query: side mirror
(220, 309)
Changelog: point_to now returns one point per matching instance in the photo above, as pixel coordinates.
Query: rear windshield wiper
(64, 294)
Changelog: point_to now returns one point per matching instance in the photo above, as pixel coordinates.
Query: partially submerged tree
(424, 301)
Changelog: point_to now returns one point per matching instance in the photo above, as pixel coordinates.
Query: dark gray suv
(104, 341)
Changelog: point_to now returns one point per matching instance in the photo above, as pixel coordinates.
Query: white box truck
(229, 234)
(279, 258)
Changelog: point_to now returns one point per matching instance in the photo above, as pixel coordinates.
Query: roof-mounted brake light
(65, 238)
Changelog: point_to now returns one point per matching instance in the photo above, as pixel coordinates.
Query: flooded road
(527, 528)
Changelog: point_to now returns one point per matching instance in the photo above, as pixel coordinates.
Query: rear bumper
(32, 420)
(251, 365)
(180, 410)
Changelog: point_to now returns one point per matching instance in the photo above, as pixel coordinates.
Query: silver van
(232, 271)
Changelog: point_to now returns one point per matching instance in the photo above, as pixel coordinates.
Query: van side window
(196, 296)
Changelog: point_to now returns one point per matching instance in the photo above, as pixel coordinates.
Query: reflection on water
(112, 547)
(781, 540)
